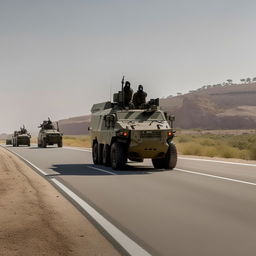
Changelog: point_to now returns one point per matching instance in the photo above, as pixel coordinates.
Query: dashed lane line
(216, 177)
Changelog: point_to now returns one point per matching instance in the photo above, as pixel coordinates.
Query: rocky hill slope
(218, 107)
(75, 125)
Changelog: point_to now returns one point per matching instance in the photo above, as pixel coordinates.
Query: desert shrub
(192, 148)
(228, 152)
(221, 145)
(210, 151)
(207, 142)
(252, 152)
(183, 139)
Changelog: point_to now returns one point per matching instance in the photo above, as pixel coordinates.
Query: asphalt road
(200, 208)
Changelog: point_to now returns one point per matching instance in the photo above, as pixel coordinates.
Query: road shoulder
(36, 219)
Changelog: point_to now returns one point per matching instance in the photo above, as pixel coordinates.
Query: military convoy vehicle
(8, 141)
(120, 132)
(49, 135)
(21, 137)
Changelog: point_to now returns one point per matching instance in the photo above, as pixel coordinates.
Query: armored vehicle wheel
(106, 155)
(95, 153)
(100, 153)
(159, 163)
(60, 144)
(118, 155)
(171, 157)
(44, 144)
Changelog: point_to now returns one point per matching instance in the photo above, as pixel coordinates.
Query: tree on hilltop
(242, 80)
(248, 80)
(229, 81)
(254, 79)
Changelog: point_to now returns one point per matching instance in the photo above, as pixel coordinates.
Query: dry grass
(77, 141)
(218, 145)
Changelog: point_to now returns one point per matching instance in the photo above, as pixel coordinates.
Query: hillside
(75, 125)
(220, 107)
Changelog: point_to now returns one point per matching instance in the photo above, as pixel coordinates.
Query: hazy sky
(58, 57)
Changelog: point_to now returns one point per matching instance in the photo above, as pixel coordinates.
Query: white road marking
(216, 177)
(79, 149)
(129, 245)
(102, 170)
(216, 161)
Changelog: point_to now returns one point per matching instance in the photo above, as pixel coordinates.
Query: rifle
(122, 82)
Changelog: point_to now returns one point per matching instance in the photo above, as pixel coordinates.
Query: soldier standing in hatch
(127, 94)
(139, 97)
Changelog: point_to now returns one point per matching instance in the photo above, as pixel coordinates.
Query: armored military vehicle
(49, 134)
(120, 132)
(21, 137)
(8, 141)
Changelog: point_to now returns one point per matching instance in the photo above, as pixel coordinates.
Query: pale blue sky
(58, 57)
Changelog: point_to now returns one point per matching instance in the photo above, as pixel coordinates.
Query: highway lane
(179, 212)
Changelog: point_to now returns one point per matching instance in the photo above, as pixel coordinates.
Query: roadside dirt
(35, 219)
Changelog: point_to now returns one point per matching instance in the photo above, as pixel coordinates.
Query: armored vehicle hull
(49, 137)
(8, 142)
(21, 137)
(21, 140)
(119, 134)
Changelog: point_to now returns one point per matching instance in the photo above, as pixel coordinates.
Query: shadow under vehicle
(21, 137)
(119, 133)
(49, 135)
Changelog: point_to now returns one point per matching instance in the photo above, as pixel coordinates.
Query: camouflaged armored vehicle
(119, 133)
(8, 141)
(49, 135)
(21, 137)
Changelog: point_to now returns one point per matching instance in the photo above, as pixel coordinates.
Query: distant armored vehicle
(119, 133)
(8, 141)
(49, 134)
(21, 137)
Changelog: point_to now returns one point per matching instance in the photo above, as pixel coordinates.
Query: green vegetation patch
(241, 146)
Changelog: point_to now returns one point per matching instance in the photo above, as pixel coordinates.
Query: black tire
(171, 157)
(158, 163)
(95, 153)
(106, 155)
(100, 153)
(60, 144)
(44, 144)
(118, 156)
